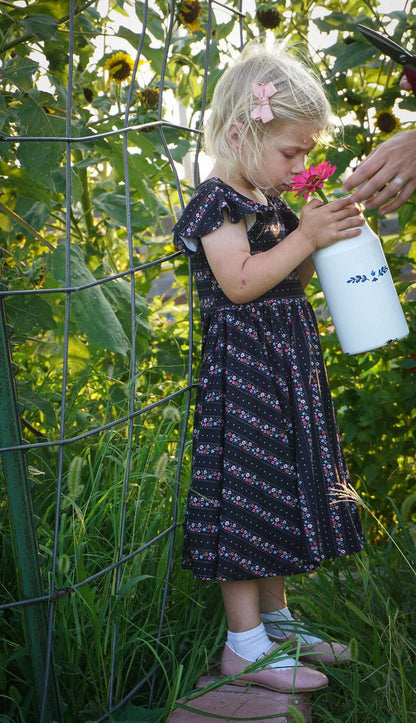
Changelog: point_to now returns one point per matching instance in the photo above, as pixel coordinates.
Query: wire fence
(48, 599)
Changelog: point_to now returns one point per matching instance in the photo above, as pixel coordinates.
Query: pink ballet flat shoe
(294, 678)
(319, 652)
(326, 653)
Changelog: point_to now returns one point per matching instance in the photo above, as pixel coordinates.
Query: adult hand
(388, 173)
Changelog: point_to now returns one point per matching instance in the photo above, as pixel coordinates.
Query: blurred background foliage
(183, 48)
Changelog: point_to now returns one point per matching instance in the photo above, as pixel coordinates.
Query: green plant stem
(85, 196)
(321, 195)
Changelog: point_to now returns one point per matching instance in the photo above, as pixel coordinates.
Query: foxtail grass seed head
(353, 649)
(161, 465)
(74, 485)
(63, 564)
(171, 413)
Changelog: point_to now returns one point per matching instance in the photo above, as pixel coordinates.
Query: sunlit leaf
(90, 309)
(32, 401)
(20, 72)
(350, 56)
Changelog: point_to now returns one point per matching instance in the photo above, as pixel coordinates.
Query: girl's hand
(323, 224)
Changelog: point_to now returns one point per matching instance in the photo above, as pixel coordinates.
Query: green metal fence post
(23, 529)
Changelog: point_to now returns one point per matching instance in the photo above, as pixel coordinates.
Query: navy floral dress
(268, 471)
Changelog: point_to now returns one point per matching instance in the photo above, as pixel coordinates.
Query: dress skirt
(270, 491)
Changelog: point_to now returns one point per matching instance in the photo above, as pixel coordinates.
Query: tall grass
(368, 599)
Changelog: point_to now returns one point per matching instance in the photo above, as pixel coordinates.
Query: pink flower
(312, 180)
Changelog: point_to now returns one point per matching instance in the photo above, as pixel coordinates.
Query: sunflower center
(120, 71)
(190, 10)
(386, 121)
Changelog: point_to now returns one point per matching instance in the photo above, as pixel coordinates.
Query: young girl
(267, 459)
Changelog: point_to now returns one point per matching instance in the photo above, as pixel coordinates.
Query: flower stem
(321, 195)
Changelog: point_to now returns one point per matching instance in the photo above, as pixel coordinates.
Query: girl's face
(284, 156)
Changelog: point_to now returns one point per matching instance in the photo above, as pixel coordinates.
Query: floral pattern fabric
(267, 494)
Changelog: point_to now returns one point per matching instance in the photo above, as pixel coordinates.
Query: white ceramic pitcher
(360, 293)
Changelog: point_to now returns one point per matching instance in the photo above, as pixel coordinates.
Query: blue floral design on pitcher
(374, 276)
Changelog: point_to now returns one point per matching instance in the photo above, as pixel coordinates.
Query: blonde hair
(299, 98)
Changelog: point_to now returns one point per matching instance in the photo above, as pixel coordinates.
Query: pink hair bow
(262, 111)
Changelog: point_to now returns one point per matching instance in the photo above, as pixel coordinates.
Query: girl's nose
(300, 166)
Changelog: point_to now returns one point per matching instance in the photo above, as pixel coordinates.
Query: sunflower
(386, 121)
(148, 97)
(188, 13)
(119, 66)
(268, 15)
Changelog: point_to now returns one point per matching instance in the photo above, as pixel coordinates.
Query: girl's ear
(235, 135)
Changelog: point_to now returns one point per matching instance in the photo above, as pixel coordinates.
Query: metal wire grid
(54, 595)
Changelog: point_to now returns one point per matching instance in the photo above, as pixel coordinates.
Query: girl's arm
(305, 271)
(244, 277)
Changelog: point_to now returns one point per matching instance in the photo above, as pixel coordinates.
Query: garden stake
(23, 528)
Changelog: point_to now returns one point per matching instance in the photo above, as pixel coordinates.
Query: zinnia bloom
(312, 180)
(119, 66)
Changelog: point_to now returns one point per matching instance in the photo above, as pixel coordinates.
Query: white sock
(282, 621)
(252, 644)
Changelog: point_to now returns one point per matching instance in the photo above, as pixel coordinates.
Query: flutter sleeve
(205, 213)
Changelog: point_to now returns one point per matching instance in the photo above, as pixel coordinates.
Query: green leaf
(19, 72)
(30, 314)
(35, 214)
(358, 612)
(154, 20)
(350, 56)
(170, 357)
(43, 27)
(90, 161)
(132, 583)
(90, 309)
(25, 184)
(406, 506)
(39, 158)
(34, 401)
(118, 292)
(56, 8)
(113, 205)
(343, 21)
(407, 213)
